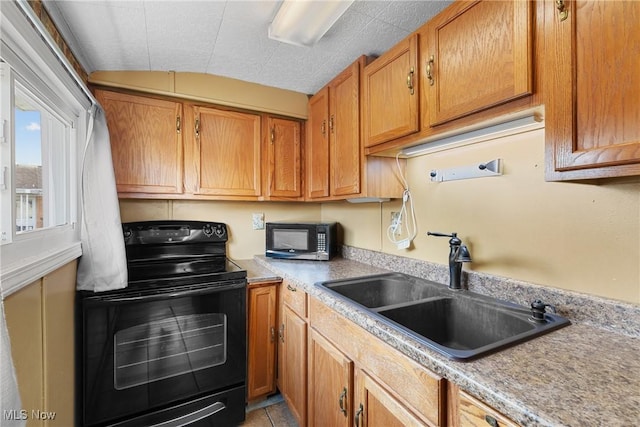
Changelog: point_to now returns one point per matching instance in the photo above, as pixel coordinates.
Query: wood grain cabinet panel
(317, 147)
(336, 167)
(330, 384)
(396, 391)
(592, 89)
(261, 341)
(146, 142)
(378, 407)
(334, 155)
(292, 350)
(476, 55)
(284, 157)
(391, 94)
(467, 411)
(226, 153)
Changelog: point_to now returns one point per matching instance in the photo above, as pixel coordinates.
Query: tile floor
(272, 412)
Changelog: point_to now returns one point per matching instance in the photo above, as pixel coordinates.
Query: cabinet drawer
(415, 387)
(295, 298)
(472, 413)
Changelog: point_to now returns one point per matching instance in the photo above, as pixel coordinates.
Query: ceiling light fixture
(510, 127)
(304, 22)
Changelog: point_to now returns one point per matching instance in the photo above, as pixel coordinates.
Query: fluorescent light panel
(500, 129)
(304, 22)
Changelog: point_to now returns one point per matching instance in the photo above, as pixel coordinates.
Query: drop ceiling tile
(252, 12)
(182, 35)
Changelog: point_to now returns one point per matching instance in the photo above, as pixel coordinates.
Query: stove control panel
(166, 232)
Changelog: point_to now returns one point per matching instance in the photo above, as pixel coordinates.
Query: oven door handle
(200, 290)
(193, 417)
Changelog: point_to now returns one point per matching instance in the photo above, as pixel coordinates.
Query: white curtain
(9, 396)
(103, 264)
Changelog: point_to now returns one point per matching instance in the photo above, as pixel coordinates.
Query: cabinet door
(378, 407)
(317, 146)
(284, 158)
(330, 384)
(478, 55)
(146, 142)
(261, 363)
(344, 131)
(293, 364)
(467, 411)
(226, 152)
(592, 89)
(390, 94)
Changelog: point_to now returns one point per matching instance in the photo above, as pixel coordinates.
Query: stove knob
(207, 230)
(127, 234)
(219, 231)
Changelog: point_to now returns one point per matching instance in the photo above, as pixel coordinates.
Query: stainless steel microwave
(302, 240)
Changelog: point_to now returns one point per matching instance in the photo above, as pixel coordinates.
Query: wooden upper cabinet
(474, 56)
(334, 151)
(344, 131)
(224, 156)
(317, 146)
(592, 89)
(284, 157)
(391, 94)
(146, 142)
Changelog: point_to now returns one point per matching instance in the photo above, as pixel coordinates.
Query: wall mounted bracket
(492, 168)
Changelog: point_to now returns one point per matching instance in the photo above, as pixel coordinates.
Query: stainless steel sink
(459, 324)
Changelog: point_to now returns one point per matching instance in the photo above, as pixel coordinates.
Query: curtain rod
(37, 24)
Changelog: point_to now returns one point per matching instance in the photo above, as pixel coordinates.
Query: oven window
(290, 239)
(169, 347)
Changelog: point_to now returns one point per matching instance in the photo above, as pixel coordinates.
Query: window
(41, 145)
(36, 161)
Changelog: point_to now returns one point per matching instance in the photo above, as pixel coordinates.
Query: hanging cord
(406, 218)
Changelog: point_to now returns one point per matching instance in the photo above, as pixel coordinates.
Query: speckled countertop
(580, 375)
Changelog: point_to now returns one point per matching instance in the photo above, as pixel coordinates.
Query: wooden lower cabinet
(467, 411)
(341, 394)
(292, 351)
(261, 341)
(330, 384)
(378, 407)
(392, 389)
(356, 379)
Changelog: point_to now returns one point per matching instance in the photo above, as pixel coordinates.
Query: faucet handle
(455, 240)
(435, 233)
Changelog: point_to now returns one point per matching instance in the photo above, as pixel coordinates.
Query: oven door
(144, 352)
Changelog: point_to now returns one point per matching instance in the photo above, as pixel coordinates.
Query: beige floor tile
(281, 416)
(257, 418)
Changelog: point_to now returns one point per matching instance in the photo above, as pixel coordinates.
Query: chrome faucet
(458, 254)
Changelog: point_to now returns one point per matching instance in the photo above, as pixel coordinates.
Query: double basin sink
(462, 325)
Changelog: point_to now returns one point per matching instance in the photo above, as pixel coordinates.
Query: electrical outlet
(396, 223)
(258, 221)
